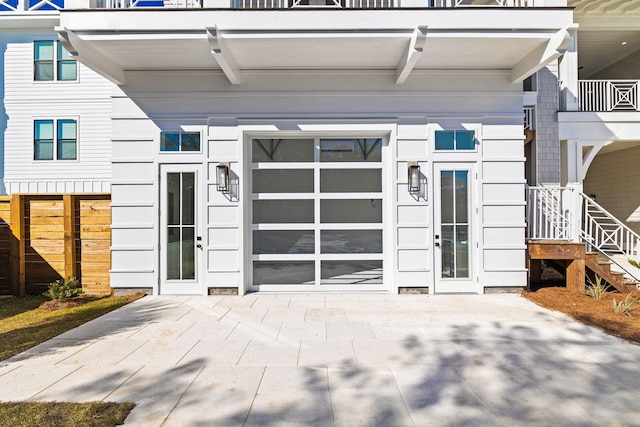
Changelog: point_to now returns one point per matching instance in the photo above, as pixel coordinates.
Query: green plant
(596, 290)
(633, 262)
(64, 289)
(623, 307)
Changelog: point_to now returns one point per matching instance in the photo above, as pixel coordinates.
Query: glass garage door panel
(282, 211)
(351, 211)
(283, 272)
(282, 181)
(350, 180)
(283, 242)
(351, 241)
(351, 272)
(316, 214)
(282, 150)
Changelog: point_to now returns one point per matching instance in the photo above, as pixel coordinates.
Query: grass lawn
(23, 325)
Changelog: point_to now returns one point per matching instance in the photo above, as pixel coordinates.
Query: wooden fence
(46, 237)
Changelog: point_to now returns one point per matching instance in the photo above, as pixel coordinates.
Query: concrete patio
(337, 359)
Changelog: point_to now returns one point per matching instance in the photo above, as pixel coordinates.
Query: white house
(305, 146)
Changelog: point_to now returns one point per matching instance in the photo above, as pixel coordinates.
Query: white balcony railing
(609, 95)
(529, 118)
(32, 5)
(500, 3)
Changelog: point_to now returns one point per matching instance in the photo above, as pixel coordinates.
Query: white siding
(86, 100)
(297, 103)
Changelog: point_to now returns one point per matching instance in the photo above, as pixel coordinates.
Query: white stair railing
(604, 232)
(564, 213)
(549, 213)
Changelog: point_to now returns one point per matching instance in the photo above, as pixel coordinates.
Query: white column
(570, 162)
(568, 75)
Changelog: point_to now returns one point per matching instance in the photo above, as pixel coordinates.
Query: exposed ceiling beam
(411, 54)
(222, 55)
(90, 57)
(542, 56)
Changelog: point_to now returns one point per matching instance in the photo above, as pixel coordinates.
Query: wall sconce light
(222, 175)
(413, 170)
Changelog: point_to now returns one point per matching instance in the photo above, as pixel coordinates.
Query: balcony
(609, 95)
(53, 5)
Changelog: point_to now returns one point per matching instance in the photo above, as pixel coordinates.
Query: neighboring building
(301, 147)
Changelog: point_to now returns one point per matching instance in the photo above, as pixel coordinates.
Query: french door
(180, 235)
(454, 216)
(316, 215)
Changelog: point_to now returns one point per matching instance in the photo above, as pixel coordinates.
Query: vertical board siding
(44, 245)
(5, 245)
(86, 100)
(93, 255)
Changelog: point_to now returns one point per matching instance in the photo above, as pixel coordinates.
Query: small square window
(445, 140)
(170, 141)
(190, 141)
(180, 141)
(465, 140)
(455, 140)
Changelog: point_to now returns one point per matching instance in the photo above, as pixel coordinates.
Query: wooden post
(69, 213)
(18, 270)
(575, 275)
(535, 271)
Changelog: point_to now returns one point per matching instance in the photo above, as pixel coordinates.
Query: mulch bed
(57, 304)
(591, 312)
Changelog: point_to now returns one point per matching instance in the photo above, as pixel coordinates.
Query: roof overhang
(233, 41)
(29, 20)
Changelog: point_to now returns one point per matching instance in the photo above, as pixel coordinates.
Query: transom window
(180, 141)
(55, 139)
(51, 61)
(455, 140)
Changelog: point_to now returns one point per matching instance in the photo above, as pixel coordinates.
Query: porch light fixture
(413, 170)
(222, 174)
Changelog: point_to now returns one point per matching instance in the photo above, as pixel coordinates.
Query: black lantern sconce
(222, 175)
(413, 170)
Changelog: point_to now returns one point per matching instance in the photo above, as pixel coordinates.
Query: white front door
(454, 216)
(180, 233)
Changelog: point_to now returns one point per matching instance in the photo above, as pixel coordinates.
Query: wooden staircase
(575, 263)
(601, 266)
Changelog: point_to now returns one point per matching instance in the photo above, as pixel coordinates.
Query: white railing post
(575, 208)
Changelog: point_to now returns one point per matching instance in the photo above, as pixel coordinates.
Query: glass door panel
(453, 228)
(180, 255)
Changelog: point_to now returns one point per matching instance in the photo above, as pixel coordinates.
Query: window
(55, 138)
(455, 140)
(51, 61)
(180, 141)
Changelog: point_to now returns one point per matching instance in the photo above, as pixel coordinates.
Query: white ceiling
(609, 31)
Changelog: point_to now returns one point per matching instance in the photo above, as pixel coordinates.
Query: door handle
(437, 244)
